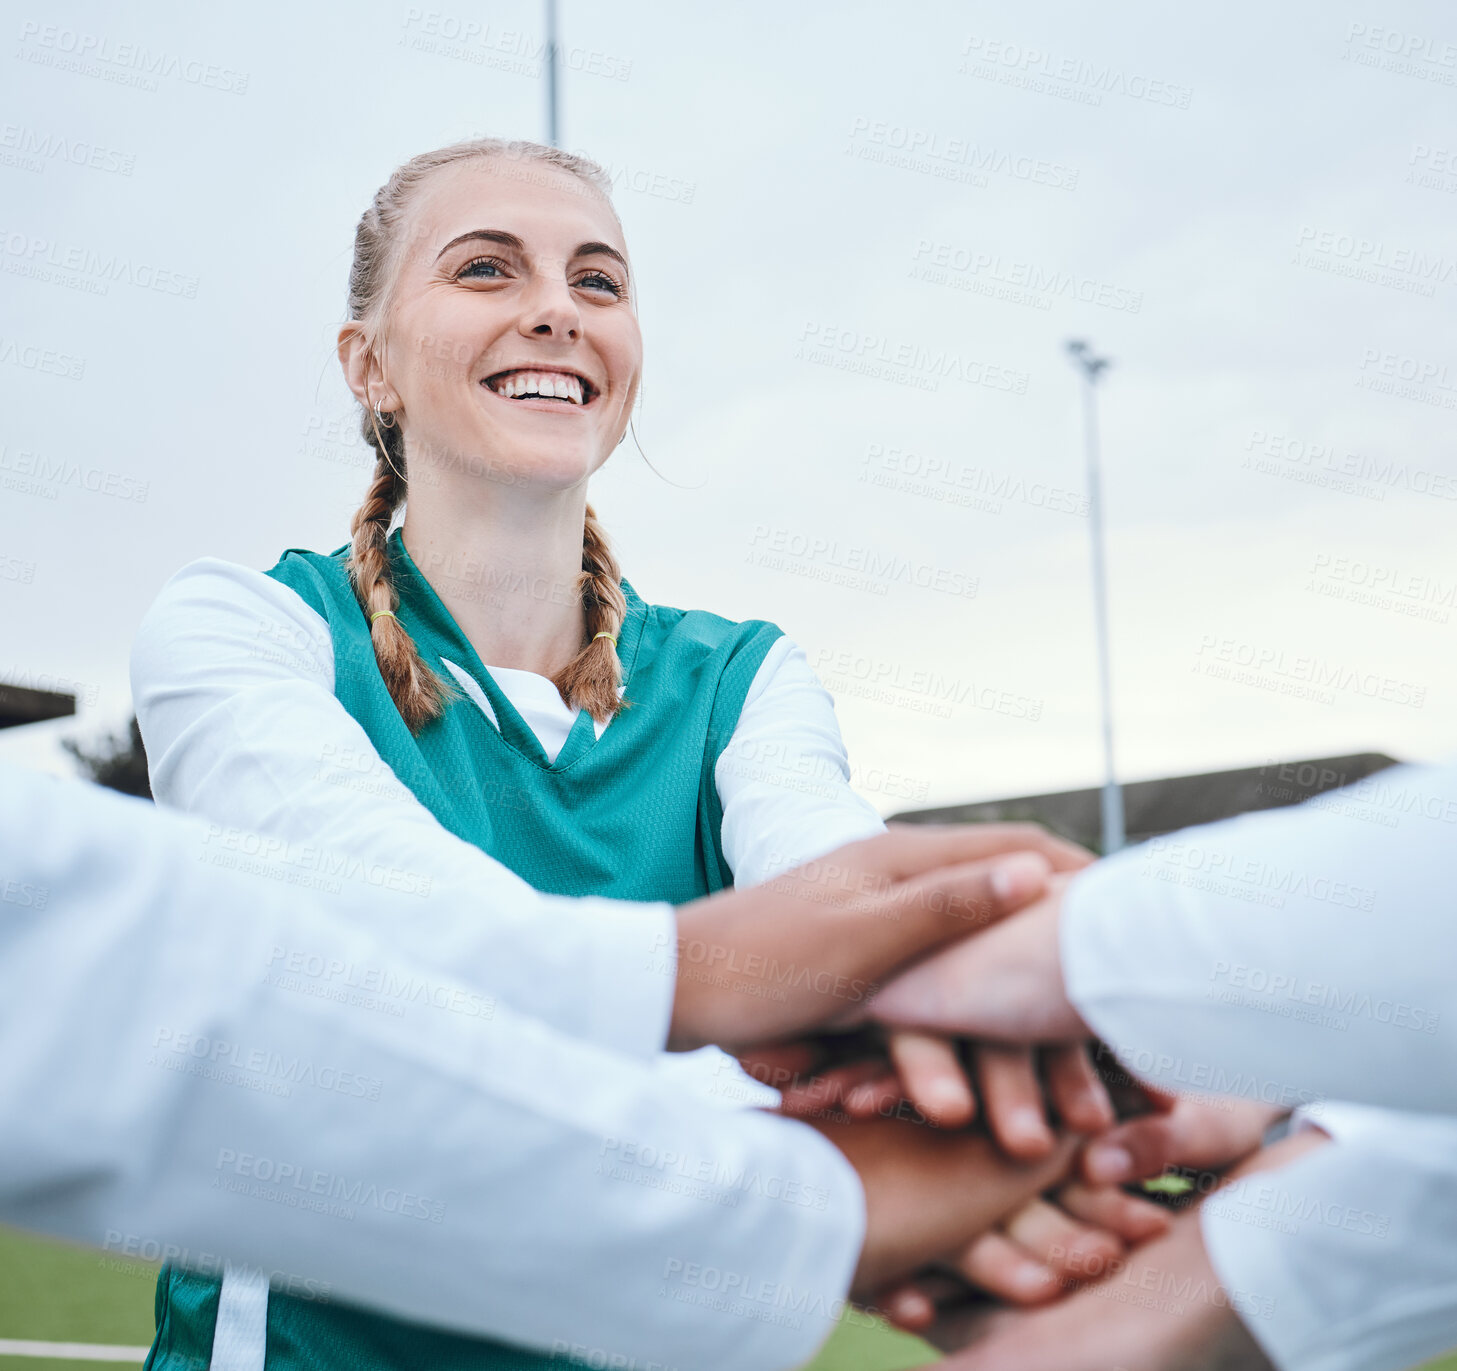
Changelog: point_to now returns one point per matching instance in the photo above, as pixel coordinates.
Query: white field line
(72, 1351)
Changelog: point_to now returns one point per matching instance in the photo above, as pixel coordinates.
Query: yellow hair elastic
(605, 635)
(383, 614)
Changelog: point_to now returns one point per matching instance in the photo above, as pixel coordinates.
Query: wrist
(1077, 949)
(686, 1019)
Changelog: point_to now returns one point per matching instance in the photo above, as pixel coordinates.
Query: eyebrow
(510, 240)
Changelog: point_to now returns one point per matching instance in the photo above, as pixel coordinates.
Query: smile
(554, 386)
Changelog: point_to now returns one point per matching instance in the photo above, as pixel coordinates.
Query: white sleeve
(233, 682)
(1346, 1259)
(784, 778)
(1291, 956)
(222, 1067)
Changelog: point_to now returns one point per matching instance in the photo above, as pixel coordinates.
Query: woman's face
(513, 340)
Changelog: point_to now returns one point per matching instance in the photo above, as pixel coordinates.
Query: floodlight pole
(1092, 367)
(553, 128)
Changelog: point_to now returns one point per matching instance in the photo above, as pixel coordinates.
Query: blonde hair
(591, 679)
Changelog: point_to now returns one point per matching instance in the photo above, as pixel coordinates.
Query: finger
(877, 1098)
(933, 1078)
(1133, 1219)
(995, 1263)
(1075, 1090)
(1060, 1242)
(810, 1095)
(961, 898)
(1066, 856)
(1131, 1098)
(911, 848)
(1191, 1134)
(1160, 1101)
(908, 1307)
(1133, 1151)
(1011, 1097)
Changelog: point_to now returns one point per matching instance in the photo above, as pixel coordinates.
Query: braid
(591, 679)
(419, 694)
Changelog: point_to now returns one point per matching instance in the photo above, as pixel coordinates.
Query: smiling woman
(517, 338)
(456, 678)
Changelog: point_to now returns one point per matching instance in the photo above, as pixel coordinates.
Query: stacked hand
(986, 1140)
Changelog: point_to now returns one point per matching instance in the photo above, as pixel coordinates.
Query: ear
(358, 363)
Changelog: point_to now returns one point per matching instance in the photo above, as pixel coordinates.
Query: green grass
(50, 1364)
(860, 1343)
(54, 1292)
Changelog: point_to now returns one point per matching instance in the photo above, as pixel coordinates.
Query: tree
(117, 760)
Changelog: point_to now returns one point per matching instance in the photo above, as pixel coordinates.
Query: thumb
(975, 894)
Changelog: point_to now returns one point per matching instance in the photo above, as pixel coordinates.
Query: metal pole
(1092, 366)
(553, 135)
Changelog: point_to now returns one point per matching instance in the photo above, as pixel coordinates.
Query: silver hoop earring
(383, 420)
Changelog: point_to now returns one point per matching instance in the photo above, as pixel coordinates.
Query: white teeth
(549, 384)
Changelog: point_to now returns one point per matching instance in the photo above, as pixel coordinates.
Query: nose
(548, 309)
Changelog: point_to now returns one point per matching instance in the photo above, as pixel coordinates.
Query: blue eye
(469, 269)
(607, 283)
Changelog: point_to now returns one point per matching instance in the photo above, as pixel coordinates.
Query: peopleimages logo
(1021, 281)
(30, 254)
(882, 568)
(258, 1069)
(1023, 65)
(99, 54)
(289, 1176)
(34, 473)
(1375, 256)
(619, 1157)
(914, 149)
(857, 350)
(1165, 858)
(1343, 1000)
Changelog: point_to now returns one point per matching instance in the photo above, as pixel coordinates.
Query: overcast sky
(863, 234)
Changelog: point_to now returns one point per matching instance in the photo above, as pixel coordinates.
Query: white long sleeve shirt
(1305, 957)
(233, 679)
(200, 1060)
(233, 683)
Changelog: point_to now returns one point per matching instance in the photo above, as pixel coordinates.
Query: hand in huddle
(1036, 1252)
(1101, 1326)
(1006, 985)
(1085, 1229)
(853, 920)
(806, 949)
(1006, 982)
(938, 933)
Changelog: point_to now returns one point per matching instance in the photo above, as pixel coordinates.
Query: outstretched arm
(182, 1038)
(201, 1061)
(1267, 935)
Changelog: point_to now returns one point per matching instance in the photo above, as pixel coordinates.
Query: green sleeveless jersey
(633, 815)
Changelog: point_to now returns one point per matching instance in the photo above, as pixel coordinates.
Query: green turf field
(50, 1292)
(57, 1293)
